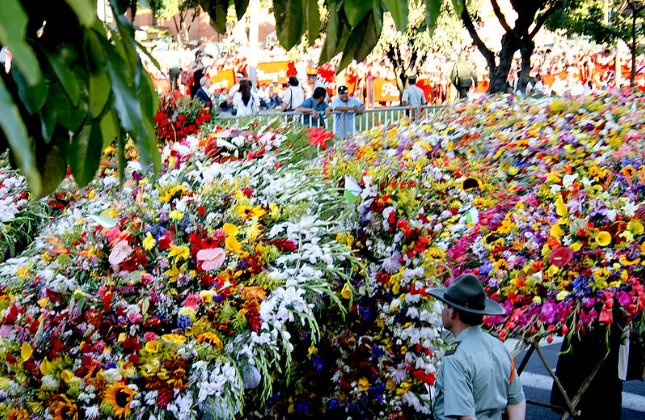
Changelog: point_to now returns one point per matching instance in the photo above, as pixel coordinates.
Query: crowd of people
(558, 70)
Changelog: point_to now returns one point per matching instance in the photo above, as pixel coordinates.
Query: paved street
(537, 386)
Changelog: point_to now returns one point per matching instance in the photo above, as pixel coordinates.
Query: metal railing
(343, 124)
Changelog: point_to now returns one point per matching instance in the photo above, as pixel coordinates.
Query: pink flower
(150, 336)
(99, 346)
(120, 252)
(211, 258)
(192, 300)
(134, 317)
(147, 278)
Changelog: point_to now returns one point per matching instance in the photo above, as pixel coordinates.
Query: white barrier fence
(343, 124)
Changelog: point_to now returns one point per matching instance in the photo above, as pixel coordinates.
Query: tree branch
(542, 19)
(500, 16)
(470, 26)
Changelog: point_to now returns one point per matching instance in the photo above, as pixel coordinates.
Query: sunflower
(119, 396)
(18, 415)
(63, 409)
(470, 184)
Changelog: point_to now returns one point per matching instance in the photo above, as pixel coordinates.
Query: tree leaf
(99, 86)
(354, 42)
(459, 6)
(85, 11)
(355, 10)
(32, 97)
(313, 21)
(372, 32)
(109, 127)
(84, 154)
(240, 8)
(13, 25)
(53, 163)
(149, 102)
(433, 10)
(217, 10)
(65, 76)
(331, 40)
(20, 143)
(288, 17)
(399, 11)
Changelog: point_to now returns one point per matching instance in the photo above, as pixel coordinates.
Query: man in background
(413, 97)
(463, 75)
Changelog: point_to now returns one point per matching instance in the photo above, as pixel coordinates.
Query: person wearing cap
(312, 79)
(413, 96)
(344, 108)
(315, 109)
(477, 377)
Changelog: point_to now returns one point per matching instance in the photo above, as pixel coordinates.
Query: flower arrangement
(170, 298)
(179, 116)
(20, 217)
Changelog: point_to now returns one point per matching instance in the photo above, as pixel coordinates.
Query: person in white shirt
(245, 101)
(413, 96)
(293, 96)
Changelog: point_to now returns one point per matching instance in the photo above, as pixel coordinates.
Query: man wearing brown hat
(477, 377)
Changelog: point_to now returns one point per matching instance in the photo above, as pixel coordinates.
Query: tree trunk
(526, 48)
(499, 74)
(632, 48)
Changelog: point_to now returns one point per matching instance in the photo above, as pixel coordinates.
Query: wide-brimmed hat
(467, 294)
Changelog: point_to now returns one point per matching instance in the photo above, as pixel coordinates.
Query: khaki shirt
(474, 378)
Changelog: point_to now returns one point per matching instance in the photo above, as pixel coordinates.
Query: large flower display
(170, 298)
(270, 273)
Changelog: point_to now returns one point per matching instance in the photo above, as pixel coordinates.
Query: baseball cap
(240, 74)
(343, 89)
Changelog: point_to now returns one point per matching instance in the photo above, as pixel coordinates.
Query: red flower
(560, 256)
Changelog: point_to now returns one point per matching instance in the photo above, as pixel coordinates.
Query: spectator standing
(463, 75)
(195, 72)
(413, 96)
(312, 78)
(315, 109)
(345, 107)
(245, 101)
(293, 96)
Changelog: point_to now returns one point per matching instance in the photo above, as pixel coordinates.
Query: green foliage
(72, 88)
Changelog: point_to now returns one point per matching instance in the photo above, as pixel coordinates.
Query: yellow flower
(405, 387)
(390, 385)
(553, 178)
(557, 231)
(230, 229)
(149, 242)
(175, 338)
(347, 291)
(42, 302)
(563, 294)
(180, 253)
(635, 227)
(211, 338)
(46, 367)
(152, 346)
(232, 244)
(67, 375)
(175, 272)
(119, 396)
(207, 295)
(537, 300)
(603, 238)
(575, 247)
(363, 384)
(176, 215)
(187, 311)
(561, 208)
(26, 351)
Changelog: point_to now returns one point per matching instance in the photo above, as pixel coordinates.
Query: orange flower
(63, 409)
(119, 396)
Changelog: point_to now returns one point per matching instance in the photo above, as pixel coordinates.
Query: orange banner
(222, 80)
(277, 71)
(385, 90)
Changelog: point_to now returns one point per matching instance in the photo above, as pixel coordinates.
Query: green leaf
(372, 35)
(109, 127)
(48, 116)
(313, 21)
(85, 10)
(84, 155)
(53, 164)
(149, 102)
(32, 97)
(331, 40)
(13, 25)
(459, 6)
(65, 76)
(354, 42)
(355, 10)
(99, 87)
(399, 11)
(288, 16)
(433, 9)
(21, 145)
(240, 8)
(217, 10)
